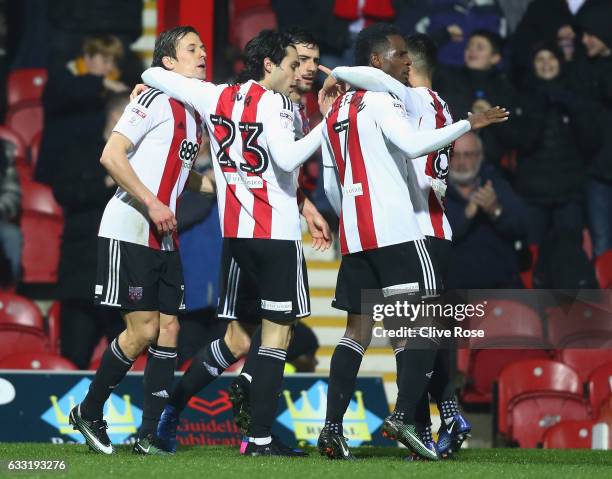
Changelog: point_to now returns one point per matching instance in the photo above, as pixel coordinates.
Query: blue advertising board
(34, 407)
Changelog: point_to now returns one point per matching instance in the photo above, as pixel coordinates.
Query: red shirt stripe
(172, 167)
(435, 209)
(262, 210)
(363, 203)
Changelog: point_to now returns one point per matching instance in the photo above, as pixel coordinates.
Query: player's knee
(148, 329)
(237, 341)
(170, 328)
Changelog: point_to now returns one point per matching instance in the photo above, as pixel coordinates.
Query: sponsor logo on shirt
(140, 113)
(286, 120)
(353, 190)
(251, 182)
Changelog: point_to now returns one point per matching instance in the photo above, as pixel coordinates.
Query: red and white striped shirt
(166, 136)
(252, 138)
(368, 137)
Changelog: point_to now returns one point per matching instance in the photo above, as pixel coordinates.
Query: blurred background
(66, 67)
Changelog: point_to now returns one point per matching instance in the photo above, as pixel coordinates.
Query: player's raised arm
(393, 118)
(190, 91)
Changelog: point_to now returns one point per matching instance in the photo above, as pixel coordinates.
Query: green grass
(384, 463)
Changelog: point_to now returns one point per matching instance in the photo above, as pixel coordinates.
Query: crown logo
(117, 422)
(307, 412)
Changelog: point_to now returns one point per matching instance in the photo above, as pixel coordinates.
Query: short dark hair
(267, 44)
(422, 52)
(373, 39)
(166, 43)
(299, 36)
(493, 38)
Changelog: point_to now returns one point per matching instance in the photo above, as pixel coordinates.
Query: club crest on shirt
(135, 293)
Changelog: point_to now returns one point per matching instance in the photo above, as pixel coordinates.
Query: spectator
(82, 188)
(11, 240)
(449, 23)
(487, 218)
(478, 86)
(555, 134)
(597, 39)
(73, 101)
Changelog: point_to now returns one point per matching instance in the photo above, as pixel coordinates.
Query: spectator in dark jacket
(82, 188)
(11, 240)
(478, 86)
(73, 101)
(555, 133)
(597, 39)
(487, 218)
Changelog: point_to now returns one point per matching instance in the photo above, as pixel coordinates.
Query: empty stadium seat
(36, 360)
(569, 435)
(584, 361)
(534, 395)
(580, 325)
(22, 341)
(42, 225)
(600, 390)
(512, 326)
(248, 23)
(603, 269)
(18, 312)
(25, 84)
(26, 118)
(53, 326)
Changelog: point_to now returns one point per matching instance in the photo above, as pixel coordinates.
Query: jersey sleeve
(374, 79)
(287, 153)
(142, 115)
(198, 94)
(391, 115)
(331, 182)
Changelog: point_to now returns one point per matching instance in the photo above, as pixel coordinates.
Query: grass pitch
(384, 463)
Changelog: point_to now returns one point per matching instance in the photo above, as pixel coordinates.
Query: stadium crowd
(528, 200)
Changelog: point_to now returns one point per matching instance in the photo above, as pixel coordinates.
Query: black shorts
(133, 277)
(263, 278)
(440, 249)
(405, 271)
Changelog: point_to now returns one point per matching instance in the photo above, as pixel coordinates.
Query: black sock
(345, 363)
(251, 359)
(398, 364)
(113, 368)
(265, 388)
(448, 409)
(413, 383)
(158, 377)
(441, 387)
(206, 366)
(422, 417)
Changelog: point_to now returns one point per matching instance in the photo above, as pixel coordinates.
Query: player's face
(479, 54)
(594, 46)
(190, 58)
(467, 157)
(546, 65)
(100, 65)
(283, 77)
(308, 56)
(395, 60)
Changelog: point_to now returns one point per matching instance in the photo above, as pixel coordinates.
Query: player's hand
(455, 32)
(317, 226)
(114, 86)
(161, 216)
(138, 89)
(330, 90)
(488, 117)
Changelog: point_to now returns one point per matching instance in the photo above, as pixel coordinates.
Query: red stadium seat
(18, 146)
(535, 394)
(97, 354)
(26, 118)
(53, 324)
(35, 149)
(509, 325)
(580, 325)
(21, 341)
(584, 361)
(37, 360)
(42, 225)
(249, 23)
(600, 390)
(603, 269)
(18, 312)
(25, 84)
(569, 435)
